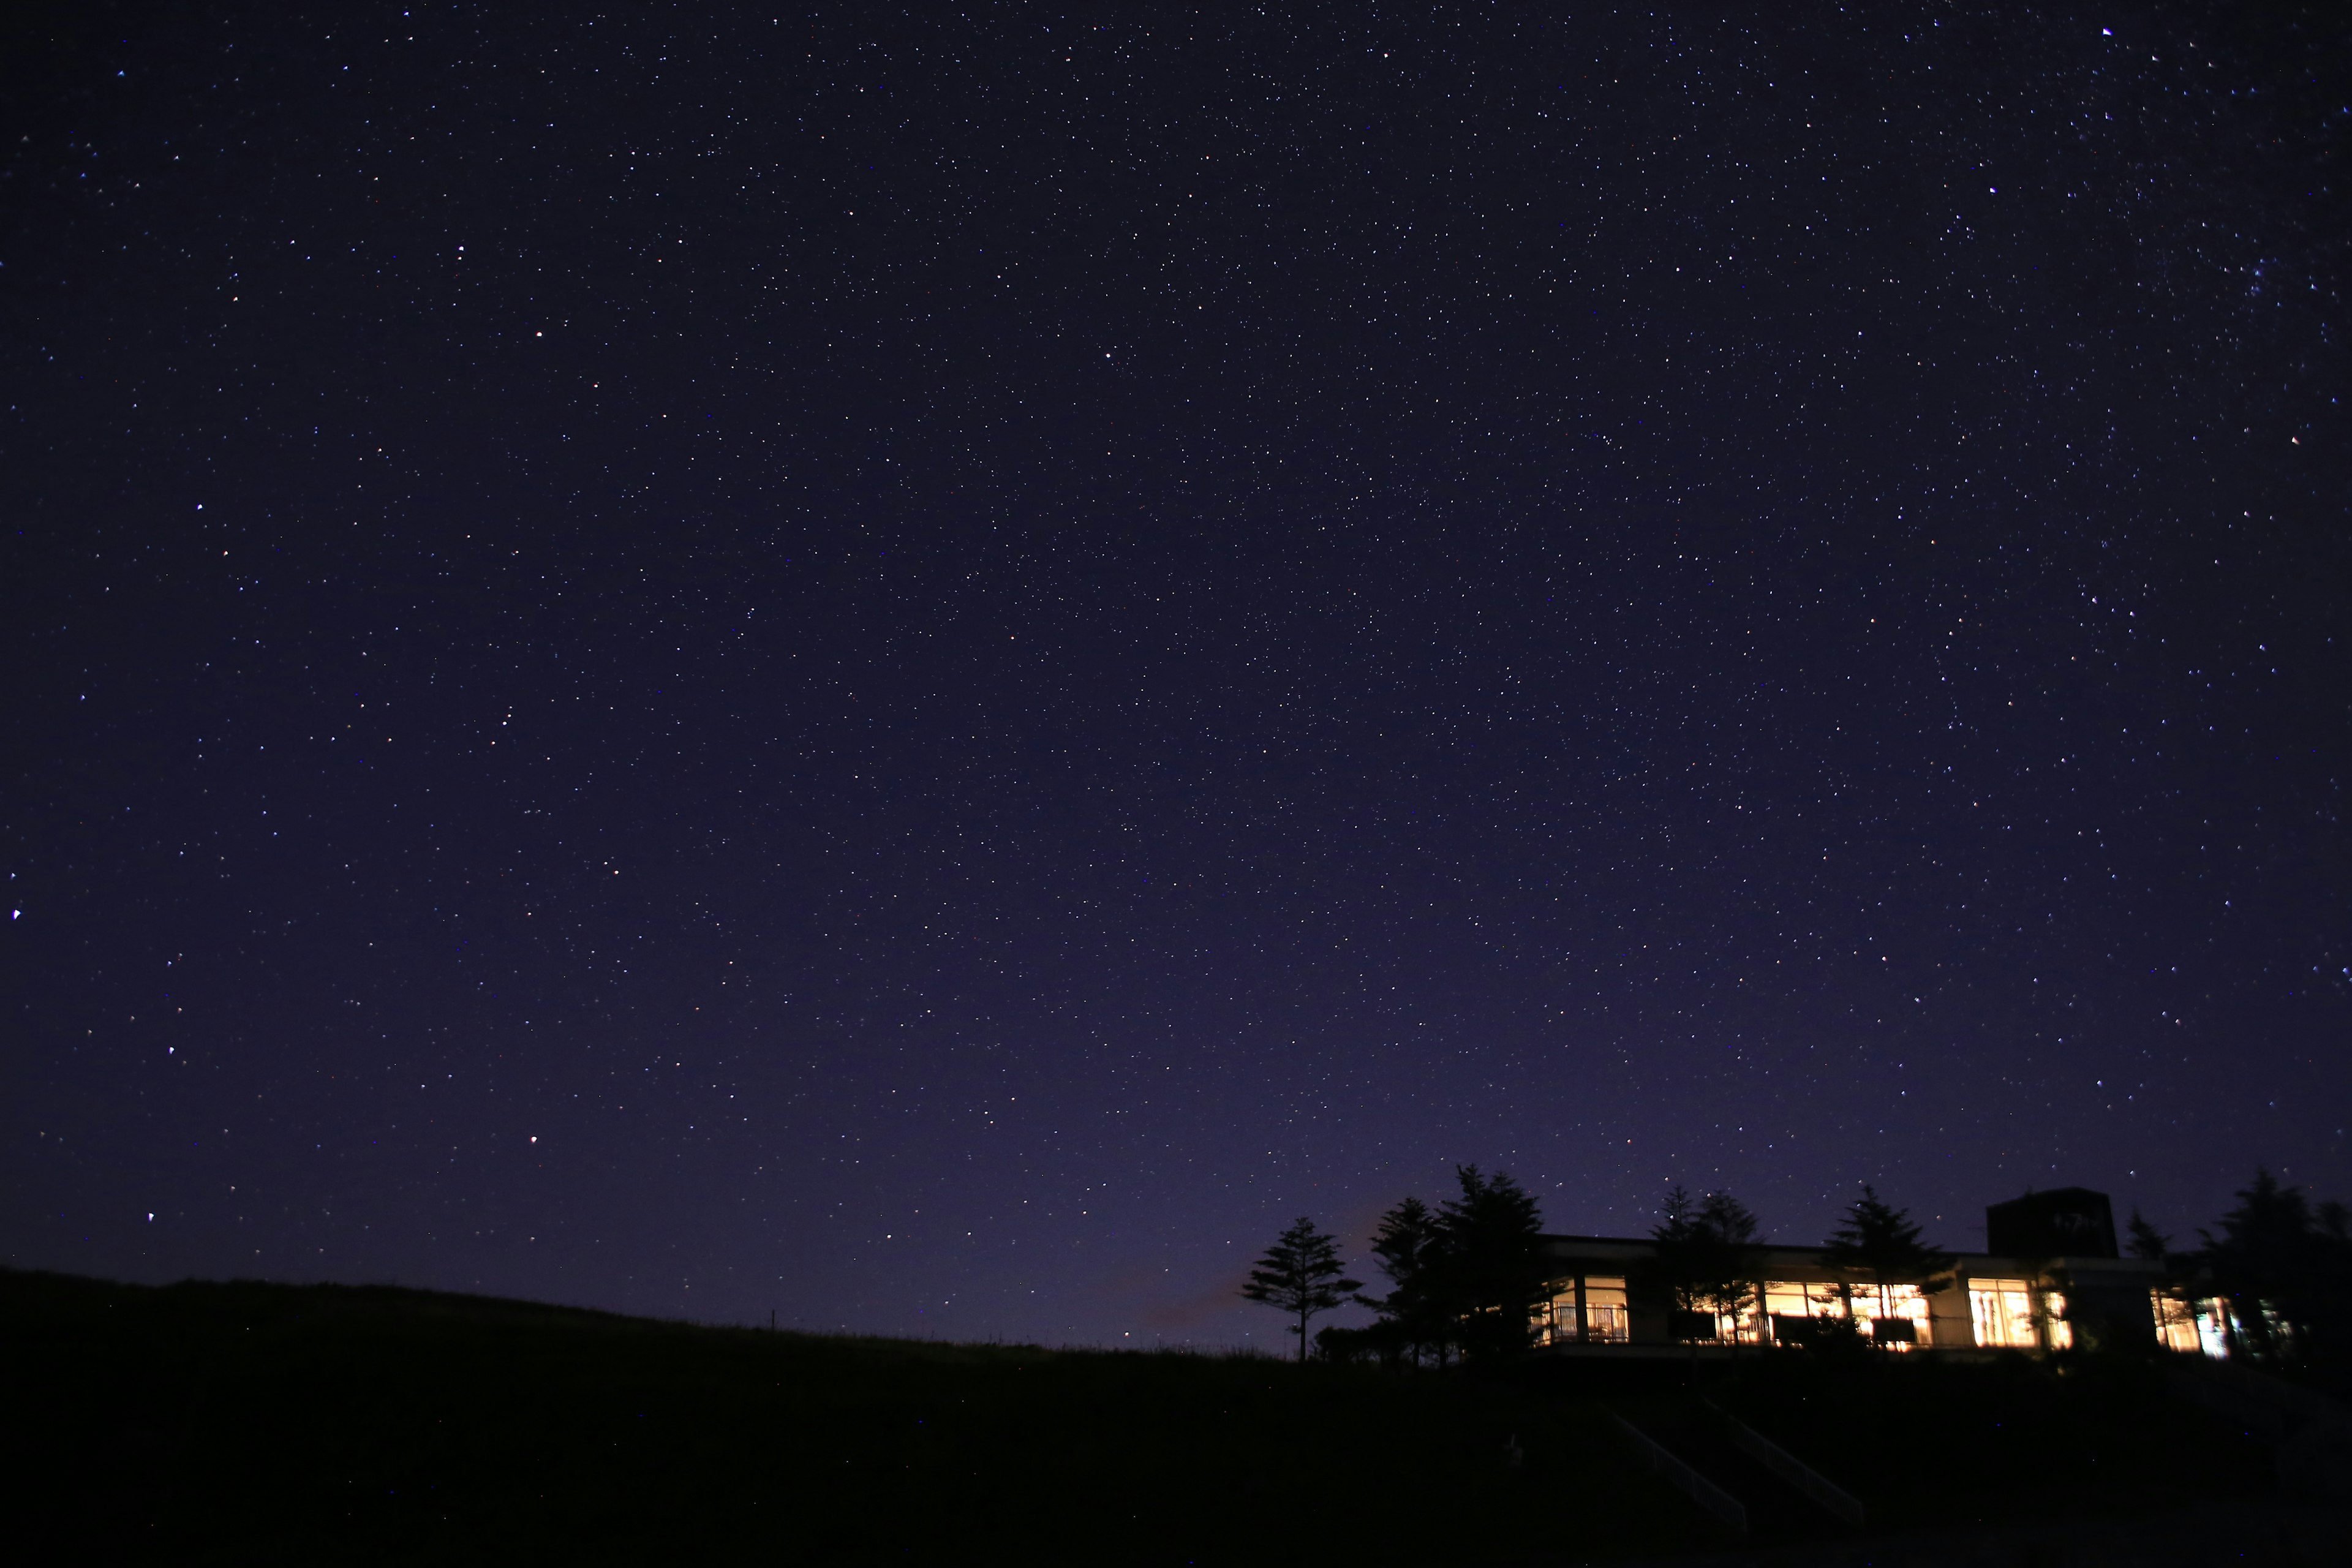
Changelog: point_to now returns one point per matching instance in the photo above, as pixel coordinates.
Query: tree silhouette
(2285, 1270)
(1878, 1241)
(1732, 1258)
(1409, 1247)
(1674, 1267)
(1705, 1258)
(1491, 1266)
(2149, 1244)
(1301, 1275)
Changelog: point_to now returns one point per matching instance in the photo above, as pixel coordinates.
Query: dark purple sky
(928, 670)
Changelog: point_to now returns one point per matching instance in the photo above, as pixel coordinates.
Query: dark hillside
(1935, 1442)
(1950, 1446)
(243, 1421)
(249, 1422)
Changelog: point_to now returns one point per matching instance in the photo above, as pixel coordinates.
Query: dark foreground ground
(248, 1422)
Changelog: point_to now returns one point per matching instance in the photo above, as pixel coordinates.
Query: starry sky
(925, 670)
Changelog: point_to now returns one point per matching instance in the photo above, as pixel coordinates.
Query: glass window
(1791, 1298)
(1866, 1304)
(1800, 1299)
(2213, 1325)
(1744, 1327)
(2053, 1320)
(1606, 1320)
(2003, 1312)
(2175, 1322)
(1556, 1319)
(1902, 1303)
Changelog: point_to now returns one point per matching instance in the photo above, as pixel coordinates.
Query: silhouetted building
(2065, 1222)
(2050, 1278)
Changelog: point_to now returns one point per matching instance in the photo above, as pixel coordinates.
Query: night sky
(927, 669)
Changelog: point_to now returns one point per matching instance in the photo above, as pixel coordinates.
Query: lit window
(1606, 1320)
(1866, 1304)
(2003, 1311)
(1796, 1299)
(2053, 1320)
(2176, 1322)
(1556, 1319)
(1744, 1327)
(1789, 1298)
(2214, 1324)
(1605, 1317)
(1894, 1303)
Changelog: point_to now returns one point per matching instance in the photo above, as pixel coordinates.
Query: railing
(1684, 1479)
(1830, 1496)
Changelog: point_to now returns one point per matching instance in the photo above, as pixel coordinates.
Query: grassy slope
(1937, 1443)
(1930, 1443)
(245, 1421)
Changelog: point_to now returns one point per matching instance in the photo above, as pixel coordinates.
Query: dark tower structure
(2064, 1222)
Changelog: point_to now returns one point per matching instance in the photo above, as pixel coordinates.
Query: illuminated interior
(1788, 1298)
(1745, 1327)
(2213, 1326)
(1606, 1322)
(2014, 1314)
(2176, 1322)
(1866, 1303)
(2003, 1312)
(1556, 1319)
(2191, 1327)
(1902, 1303)
(1605, 1317)
(2203, 1327)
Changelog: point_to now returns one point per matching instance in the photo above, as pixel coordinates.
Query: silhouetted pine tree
(1728, 1283)
(1409, 1248)
(1704, 1259)
(2146, 1241)
(1301, 1275)
(1673, 1266)
(1491, 1270)
(2284, 1271)
(1878, 1242)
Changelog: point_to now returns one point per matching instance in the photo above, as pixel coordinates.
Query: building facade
(2054, 1276)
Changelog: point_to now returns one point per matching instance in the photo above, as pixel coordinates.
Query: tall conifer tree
(1301, 1275)
(1409, 1248)
(1878, 1242)
(1492, 1270)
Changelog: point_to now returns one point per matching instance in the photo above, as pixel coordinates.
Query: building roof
(1799, 1261)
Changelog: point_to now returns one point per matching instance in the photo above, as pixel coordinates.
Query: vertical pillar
(1583, 1328)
